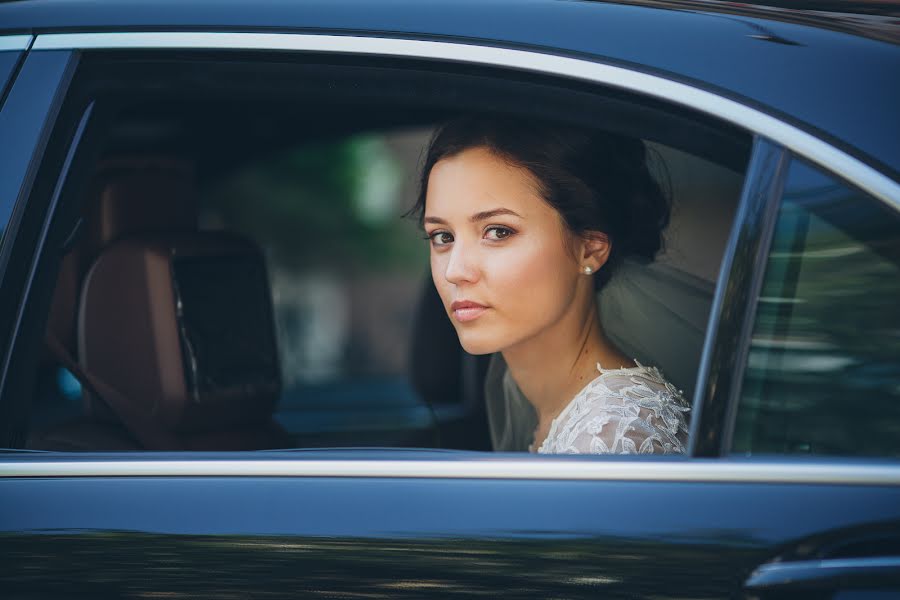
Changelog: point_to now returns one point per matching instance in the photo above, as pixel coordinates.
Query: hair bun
(630, 205)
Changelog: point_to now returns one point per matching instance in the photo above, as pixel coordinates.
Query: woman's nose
(461, 265)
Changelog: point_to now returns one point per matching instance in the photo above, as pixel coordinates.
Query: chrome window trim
(802, 143)
(800, 576)
(14, 42)
(713, 471)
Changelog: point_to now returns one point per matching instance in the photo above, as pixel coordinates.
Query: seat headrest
(126, 196)
(435, 353)
(182, 323)
(134, 195)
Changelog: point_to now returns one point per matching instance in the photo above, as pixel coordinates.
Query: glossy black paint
(786, 63)
(274, 537)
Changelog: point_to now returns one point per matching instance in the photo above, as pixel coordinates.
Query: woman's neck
(553, 367)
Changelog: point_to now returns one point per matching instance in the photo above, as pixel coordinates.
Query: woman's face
(499, 254)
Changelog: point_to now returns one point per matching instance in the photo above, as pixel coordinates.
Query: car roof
(831, 73)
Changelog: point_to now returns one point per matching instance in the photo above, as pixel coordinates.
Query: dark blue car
(225, 371)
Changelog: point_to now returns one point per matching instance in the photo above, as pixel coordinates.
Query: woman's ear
(595, 249)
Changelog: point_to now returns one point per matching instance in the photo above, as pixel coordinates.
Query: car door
(394, 523)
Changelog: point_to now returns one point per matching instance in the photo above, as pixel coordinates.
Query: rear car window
(823, 373)
(192, 179)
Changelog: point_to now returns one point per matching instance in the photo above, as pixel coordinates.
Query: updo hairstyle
(596, 181)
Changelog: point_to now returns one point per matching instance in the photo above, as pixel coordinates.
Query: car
(225, 372)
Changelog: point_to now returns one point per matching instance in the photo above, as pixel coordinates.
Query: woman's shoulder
(634, 384)
(629, 410)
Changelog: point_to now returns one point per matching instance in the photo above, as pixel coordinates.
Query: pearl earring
(588, 270)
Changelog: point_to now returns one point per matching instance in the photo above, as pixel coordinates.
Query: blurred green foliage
(332, 205)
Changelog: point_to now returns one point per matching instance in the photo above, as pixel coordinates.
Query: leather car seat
(443, 374)
(158, 313)
(126, 196)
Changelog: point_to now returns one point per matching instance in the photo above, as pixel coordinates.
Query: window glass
(346, 272)
(823, 373)
(203, 207)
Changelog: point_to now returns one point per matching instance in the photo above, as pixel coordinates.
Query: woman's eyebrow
(479, 216)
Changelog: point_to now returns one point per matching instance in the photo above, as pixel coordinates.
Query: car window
(823, 373)
(242, 276)
(345, 272)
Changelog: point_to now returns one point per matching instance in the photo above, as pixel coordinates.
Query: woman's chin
(477, 345)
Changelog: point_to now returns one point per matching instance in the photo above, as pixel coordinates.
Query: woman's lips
(464, 315)
(467, 311)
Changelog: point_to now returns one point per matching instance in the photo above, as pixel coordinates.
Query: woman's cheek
(438, 270)
(535, 280)
(516, 272)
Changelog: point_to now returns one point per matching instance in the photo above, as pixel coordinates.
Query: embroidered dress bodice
(622, 411)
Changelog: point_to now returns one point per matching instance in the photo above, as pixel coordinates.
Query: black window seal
(733, 311)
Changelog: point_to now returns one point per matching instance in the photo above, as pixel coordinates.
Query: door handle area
(827, 573)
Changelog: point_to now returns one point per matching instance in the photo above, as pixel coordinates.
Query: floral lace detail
(623, 411)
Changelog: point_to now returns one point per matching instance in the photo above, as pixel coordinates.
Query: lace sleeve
(627, 413)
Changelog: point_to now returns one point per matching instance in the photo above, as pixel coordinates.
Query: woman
(526, 222)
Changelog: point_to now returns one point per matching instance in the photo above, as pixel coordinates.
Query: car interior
(236, 274)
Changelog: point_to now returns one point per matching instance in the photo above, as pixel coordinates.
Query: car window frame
(715, 399)
(31, 107)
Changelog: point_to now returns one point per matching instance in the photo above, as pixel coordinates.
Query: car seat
(174, 332)
(446, 376)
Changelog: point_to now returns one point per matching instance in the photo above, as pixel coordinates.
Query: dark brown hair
(596, 181)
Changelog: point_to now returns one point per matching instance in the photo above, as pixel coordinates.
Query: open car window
(237, 269)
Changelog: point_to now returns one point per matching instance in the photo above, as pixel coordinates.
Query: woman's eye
(440, 238)
(498, 233)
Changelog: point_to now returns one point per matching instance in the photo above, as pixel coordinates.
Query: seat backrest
(183, 325)
(443, 374)
(125, 197)
(176, 320)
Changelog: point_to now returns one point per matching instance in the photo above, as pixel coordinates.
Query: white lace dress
(623, 411)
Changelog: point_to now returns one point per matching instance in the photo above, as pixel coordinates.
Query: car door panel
(245, 536)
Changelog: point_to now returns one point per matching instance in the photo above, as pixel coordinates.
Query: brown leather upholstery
(140, 219)
(134, 332)
(140, 196)
(126, 196)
